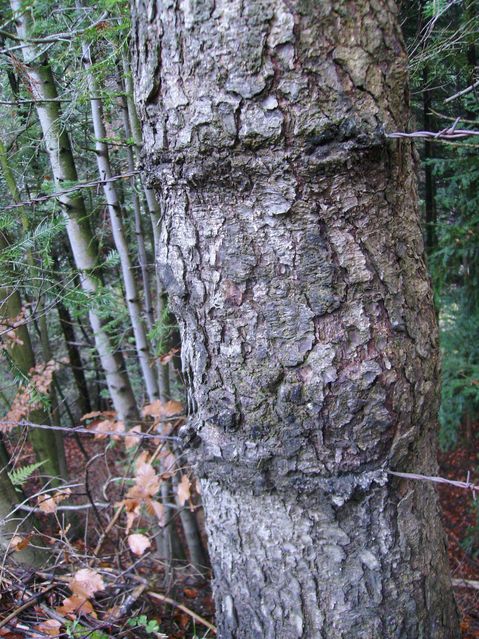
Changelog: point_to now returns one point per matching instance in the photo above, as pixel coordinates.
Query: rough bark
(293, 259)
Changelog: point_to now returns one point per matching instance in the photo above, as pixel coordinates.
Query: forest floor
(461, 520)
(190, 603)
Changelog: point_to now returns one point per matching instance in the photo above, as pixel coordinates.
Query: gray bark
(293, 259)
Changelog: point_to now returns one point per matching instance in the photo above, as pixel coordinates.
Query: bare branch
(463, 92)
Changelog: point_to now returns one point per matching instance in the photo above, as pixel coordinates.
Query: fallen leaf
(50, 627)
(86, 582)
(76, 603)
(138, 543)
(18, 543)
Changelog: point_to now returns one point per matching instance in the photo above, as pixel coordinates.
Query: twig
(192, 614)
(465, 583)
(463, 92)
(66, 35)
(33, 599)
(31, 509)
(104, 534)
(77, 187)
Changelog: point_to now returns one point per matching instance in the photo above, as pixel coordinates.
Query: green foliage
(151, 626)
(75, 630)
(19, 476)
(460, 371)
(442, 40)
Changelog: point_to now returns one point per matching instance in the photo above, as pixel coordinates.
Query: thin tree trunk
(74, 357)
(40, 310)
(114, 209)
(293, 260)
(42, 85)
(14, 524)
(23, 360)
(155, 214)
(139, 232)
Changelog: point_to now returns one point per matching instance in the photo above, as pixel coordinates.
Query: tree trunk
(22, 358)
(42, 85)
(74, 357)
(162, 315)
(293, 258)
(119, 237)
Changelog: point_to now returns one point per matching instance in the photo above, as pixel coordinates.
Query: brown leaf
(50, 627)
(142, 459)
(153, 409)
(108, 414)
(48, 503)
(138, 543)
(132, 507)
(86, 582)
(108, 427)
(167, 357)
(147, 482)
(132, 439)
(76, 603)
(183, 490)
(156, 508)
(17, 542)
(159, 409)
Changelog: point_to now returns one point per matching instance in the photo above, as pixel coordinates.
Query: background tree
(293, 258)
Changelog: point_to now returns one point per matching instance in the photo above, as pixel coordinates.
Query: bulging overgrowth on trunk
(293, 258)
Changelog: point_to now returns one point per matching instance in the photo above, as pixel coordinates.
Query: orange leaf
(147, 482)
(107, 427)
(17, 542)
(132, 439)
(167, 357)
(76, 603)
(99, 413)
(50, 627)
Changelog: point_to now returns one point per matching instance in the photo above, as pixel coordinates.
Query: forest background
(87, 341)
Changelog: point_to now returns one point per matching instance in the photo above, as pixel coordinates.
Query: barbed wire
(92, 431)
(449, 133)
(465, 485)
(77, 187)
